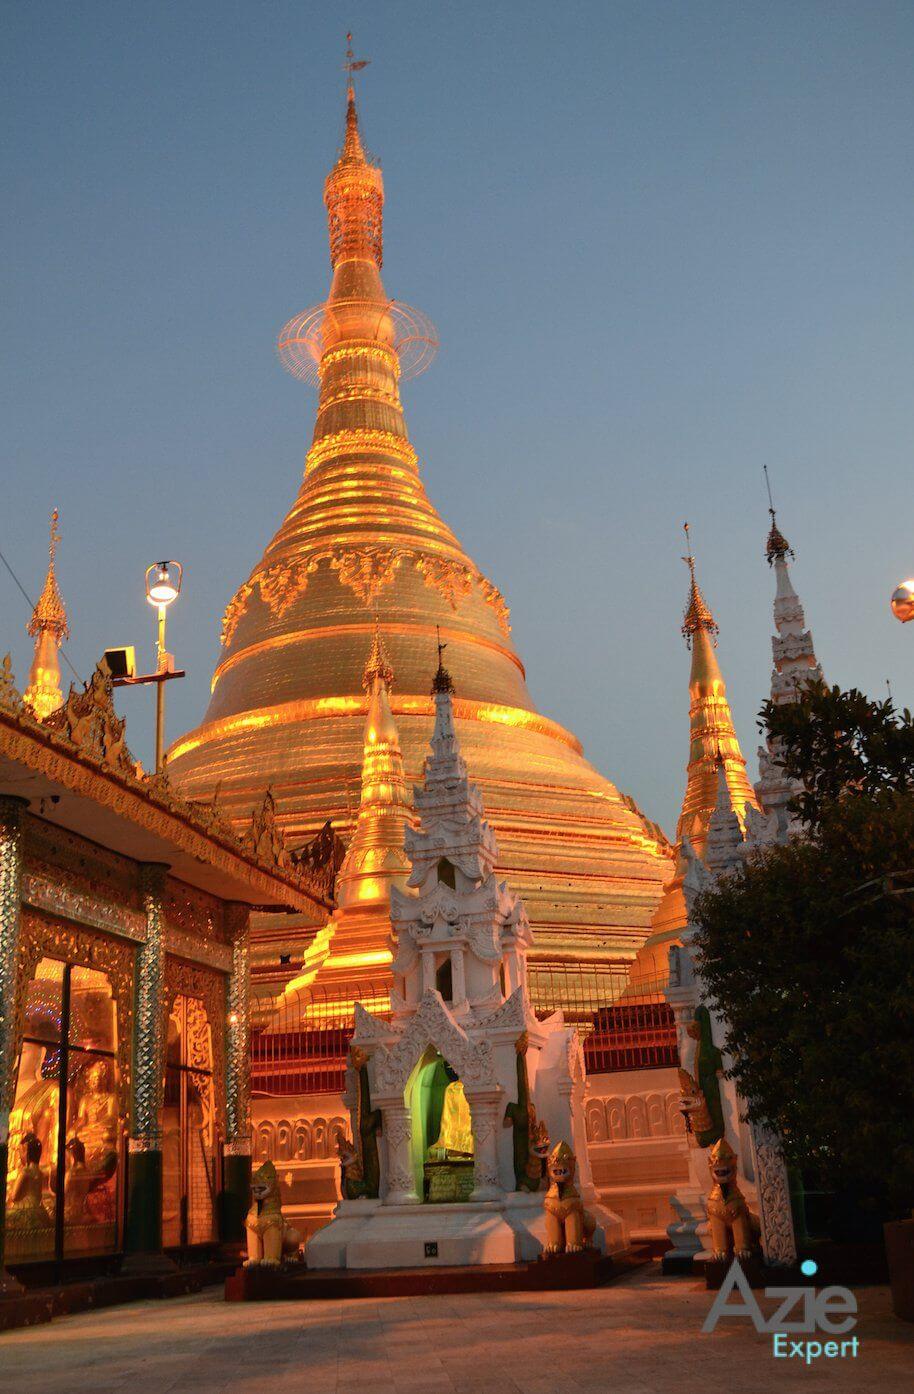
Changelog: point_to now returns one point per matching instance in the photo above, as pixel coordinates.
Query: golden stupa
(714, 755)
(362, 540)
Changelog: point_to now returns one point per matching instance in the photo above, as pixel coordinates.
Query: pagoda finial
(48, 627)
(352, 143)
(378, 665)
(777, 544)
(442, 681)
(697, 614)
(49, 614)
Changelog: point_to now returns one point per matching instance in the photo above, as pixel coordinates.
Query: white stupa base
(688, 1232)
(512, 1229)
(401, 1236)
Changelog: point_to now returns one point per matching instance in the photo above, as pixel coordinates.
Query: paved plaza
(642, 1334)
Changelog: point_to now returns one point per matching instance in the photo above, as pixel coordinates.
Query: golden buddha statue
(455, 1138)
(95, 1120)
(78, 1182)
(29, 1226)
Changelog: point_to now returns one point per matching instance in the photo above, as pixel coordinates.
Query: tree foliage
(809, 950)
(838, 744)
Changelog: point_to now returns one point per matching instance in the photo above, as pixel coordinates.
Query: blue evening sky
(663, 243)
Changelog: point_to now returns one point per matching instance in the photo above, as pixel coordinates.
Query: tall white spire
(795, 665)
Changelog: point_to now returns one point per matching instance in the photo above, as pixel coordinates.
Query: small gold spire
(48, 627)
(353, 150)
(777, 545)
(378, 665)
(697, 614)
(49, 614)
(442, 681)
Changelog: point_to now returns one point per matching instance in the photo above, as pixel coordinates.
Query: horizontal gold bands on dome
(359, 393)
(336, 631)
(354, 351)
(401, 704)
(358, 441)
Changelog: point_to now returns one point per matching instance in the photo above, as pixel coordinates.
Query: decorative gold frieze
(193, 911)
(367, 572)
(55, 897)
(493, 596)
(450, 578)
(196, 950)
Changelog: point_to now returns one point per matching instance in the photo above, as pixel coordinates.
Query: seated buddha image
(95, 1120)
(456, 1136)
(29, 1225)
(36, 1110)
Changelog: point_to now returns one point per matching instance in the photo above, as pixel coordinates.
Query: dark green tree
(809, 950)
(839, 744)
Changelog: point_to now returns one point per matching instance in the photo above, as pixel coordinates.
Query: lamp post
(163, 585)
(903, 601)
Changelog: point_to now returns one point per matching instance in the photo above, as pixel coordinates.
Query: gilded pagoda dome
(362, 545)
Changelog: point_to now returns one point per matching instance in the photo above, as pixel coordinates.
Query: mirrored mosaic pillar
(11, 816)
(143, 1240)
(237, 1150)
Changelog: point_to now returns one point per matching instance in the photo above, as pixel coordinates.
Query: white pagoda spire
(457, 929)
(795, 664)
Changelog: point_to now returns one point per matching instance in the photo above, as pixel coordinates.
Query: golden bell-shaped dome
(362, 539)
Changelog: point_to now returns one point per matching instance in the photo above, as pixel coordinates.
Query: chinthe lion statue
(568, 1225)
(270, 1236)
(733, 1227)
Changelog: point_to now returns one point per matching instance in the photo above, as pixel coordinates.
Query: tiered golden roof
(362, 537)
(48, 627)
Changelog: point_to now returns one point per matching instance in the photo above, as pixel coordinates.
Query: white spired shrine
(463, 1085)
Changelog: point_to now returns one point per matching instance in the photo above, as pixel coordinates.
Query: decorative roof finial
(352, 65)
(49, 615)
(48, 627)
(352, 143)
(442, 682)
(378, 665)
(697, 614)
(777, 544)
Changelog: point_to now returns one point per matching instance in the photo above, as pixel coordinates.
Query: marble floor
(642, 1334)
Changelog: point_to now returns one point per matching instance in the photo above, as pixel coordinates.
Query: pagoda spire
(713, 743)
(353, 949)
(715, 776)
(48, 627)
(375, 855)
(795, 665)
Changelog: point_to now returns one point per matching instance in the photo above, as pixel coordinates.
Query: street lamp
(163, 585)
(903, 601)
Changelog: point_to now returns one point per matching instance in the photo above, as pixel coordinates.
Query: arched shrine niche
(441, 1146)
